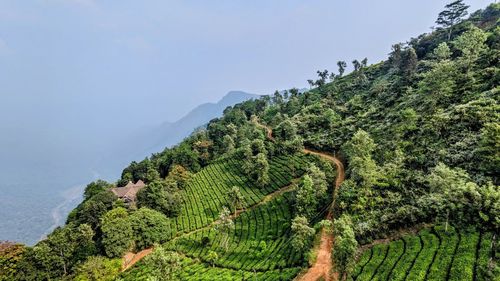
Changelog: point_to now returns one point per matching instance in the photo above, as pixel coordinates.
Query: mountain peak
(233, 97)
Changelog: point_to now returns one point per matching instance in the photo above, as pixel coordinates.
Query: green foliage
(149, 227)
(256, 165)
(95, 187)
(289, 141)
(413, 246)
(305, 198)
(268, 222)
(452, 14)
(302, 234)
(162, 196)
(424, 259)
(166, 265)
(378, 254)
(471, 44)
(180, 175)
(489, 147)
(442, 52)
(439, 83)
(212, 257)
(396, 249)
(224, 225)
(365, 257)
(58, 254)
(228, 144)
(318, 178)
(97, 268)
(418, 135)
(487, 267)
(454, 196)
(236, 198)
(117, 235)
(91, 210)
(10, 255)
(448, 254)
(448, 239)
(465, 257)
(344, 247)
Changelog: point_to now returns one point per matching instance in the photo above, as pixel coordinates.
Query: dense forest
(250, 196)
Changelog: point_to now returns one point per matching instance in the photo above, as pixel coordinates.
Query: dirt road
(323, 265)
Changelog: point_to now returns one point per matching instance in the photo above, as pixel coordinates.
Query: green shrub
(379, 253)
(413, 247)
(442, 262)
(465, 257)
(396, 249)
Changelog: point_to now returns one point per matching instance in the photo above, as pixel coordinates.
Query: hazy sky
(110, 64)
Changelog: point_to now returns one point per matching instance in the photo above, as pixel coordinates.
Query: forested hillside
(260, 193)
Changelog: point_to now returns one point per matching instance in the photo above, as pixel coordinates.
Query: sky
(120, 65)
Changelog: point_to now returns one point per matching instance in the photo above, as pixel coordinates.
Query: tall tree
(149, 227)
(471, 44)
(342, 65)
(224, 226)
(57, 255)
(165, 265)
(117, 235)
(489, 148)
(451, 15)
(442, 52)
(410, 61)
(305, 198)
(180, 175)
(235, 198)
(97, 268)
(319, 180)
(302, 234)
(261, 169)
(162, 196)
(10, 255)
(228, 144)
(277, 98)
(345, 246)
(396, 56)
(95, 187)
(439, 83)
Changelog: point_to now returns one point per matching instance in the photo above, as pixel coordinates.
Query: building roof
(129, 191)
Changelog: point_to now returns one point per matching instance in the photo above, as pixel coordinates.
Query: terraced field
(433, 254)
(193, 270)
(259, 243)
(206, 192)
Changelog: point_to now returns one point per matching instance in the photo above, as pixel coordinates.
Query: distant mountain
(142, 143)
(169, 134)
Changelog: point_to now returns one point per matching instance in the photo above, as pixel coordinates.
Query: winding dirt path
(132, 258)
(323, 266)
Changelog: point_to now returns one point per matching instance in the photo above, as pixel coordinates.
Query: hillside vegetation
(438, 253)
(246, 198)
